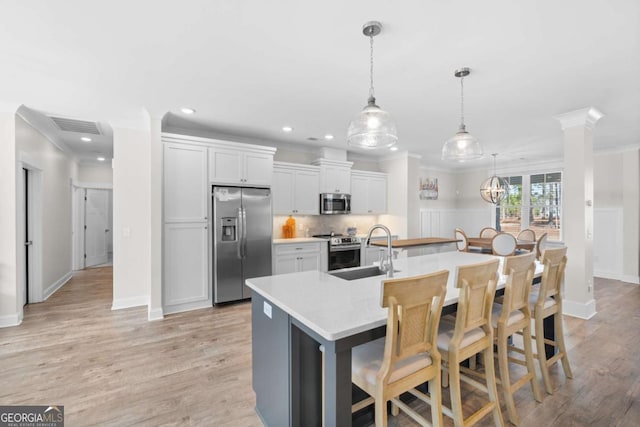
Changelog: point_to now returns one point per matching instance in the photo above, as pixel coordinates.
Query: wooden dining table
(485, 243)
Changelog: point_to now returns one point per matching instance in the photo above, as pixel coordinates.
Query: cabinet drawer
(297, 248)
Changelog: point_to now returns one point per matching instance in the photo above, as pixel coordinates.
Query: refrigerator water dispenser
(229, 227)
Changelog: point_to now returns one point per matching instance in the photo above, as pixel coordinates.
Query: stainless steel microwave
(335, 203)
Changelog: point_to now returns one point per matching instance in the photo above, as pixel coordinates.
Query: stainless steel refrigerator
(241, 240)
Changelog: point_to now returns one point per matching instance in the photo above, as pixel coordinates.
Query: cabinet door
(343, 180)
(283, 191)
(359, 194)
(185, 183)
(226, 166)
(377, 195)
(258, 169)
(309, 262)
(307, 193)
(286, 264)
(336, 179)
(186, 264)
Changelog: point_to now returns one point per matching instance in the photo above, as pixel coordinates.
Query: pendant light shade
(494, 189)
(462, 146)
(373, 127)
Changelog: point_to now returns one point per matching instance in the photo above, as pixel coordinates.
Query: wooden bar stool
(408, 356)
(546, 301)
(469, 335)
(511, 317)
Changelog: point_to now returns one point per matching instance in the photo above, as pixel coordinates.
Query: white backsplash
(308, 225)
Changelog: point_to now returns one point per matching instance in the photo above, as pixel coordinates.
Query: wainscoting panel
(442, 222)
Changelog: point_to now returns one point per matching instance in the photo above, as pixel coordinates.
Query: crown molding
(586, 117)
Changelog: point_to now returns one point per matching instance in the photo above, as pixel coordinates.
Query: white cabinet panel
(335, 176)
(186, 264)
(293, 258)
(185, 183)
(296, 189)
(232, 166)
(368, 193)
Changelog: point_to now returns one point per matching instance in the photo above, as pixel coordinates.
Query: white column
(131, 213)
(155, 300)
(10, 312)
(577, 205)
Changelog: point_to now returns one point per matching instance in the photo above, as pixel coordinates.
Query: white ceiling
(249, 67)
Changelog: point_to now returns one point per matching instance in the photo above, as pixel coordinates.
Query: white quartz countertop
(299, 240)
(336, 308)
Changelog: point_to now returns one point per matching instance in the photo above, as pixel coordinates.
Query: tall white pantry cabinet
(191, 166)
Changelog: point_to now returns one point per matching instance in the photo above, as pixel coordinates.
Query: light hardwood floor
(116, 368)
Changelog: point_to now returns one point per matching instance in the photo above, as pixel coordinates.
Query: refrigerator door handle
(244, 232)
(240, 233)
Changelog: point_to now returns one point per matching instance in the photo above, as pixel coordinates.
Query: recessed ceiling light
(86, 139)
(287, 129)
(100, 159)
(328, 137)
(394, 148)
(187, 110)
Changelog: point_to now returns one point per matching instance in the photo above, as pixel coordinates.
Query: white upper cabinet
(239, 167)
(295, 189)
(368, 192)
(185, 183)
(335, 176)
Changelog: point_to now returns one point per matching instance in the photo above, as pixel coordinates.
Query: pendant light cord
(462, 103)
(371, 92)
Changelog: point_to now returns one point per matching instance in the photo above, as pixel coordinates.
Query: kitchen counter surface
(299, 240)
(410, 243)
(336, 308)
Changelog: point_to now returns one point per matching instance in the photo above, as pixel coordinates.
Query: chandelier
(373, 128)
(462, 146)
(494, 189)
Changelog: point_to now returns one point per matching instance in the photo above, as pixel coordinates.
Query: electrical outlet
(267, 309)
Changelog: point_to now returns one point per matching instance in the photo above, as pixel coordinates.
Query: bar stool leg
(503, 365)
(557, 320)
(492, 389)
(542, 356)
(528, 355)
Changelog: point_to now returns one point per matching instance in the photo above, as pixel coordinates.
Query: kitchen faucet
(388, 266)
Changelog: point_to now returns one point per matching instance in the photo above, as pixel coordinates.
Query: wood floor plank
(115, 368)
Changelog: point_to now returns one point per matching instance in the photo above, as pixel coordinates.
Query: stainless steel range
(344, 251)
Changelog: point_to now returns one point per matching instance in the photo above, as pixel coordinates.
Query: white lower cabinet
(186, 267)
(297, 257)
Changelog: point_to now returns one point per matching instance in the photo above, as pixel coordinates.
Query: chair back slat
(541, 245)
(415, 305)
(555, 261)
(519, 271)
(488, 232)
(463, 243)
(527, 234)
(477, 283)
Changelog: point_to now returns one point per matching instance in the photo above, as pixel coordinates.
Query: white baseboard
(11, 320)
(51, 289)
(580, 310)
(120, 303)
(179, 308)
(156, 314)
(617, 276)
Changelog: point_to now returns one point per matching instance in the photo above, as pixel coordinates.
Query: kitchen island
(293, 314)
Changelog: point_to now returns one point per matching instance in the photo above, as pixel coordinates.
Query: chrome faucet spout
(388, 266)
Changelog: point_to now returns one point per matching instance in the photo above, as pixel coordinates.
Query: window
(535, 202)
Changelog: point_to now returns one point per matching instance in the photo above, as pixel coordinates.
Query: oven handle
(344, 248)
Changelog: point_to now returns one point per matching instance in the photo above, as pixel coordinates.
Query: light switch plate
(267, 309)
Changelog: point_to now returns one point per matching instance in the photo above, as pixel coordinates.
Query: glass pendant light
(494, 189)
(373, 127)
(462, 146)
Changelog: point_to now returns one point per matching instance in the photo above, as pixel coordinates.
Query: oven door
(344, 257)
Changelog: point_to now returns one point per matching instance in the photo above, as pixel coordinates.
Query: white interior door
(96, 226)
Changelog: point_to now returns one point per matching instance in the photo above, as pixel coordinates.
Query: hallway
(116, 368)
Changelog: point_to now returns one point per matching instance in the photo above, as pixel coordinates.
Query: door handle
(28, 243)
(240, 233)
(244, 232)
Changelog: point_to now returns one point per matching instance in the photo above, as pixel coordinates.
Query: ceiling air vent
(80, 126)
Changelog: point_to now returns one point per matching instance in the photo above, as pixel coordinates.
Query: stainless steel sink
(359, 272)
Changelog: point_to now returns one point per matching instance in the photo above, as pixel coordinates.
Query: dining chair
(527, 234)
(503, 244)
(511, 317)
(546, 300)
(541, 245)
(469, 334)
(408, 355)
(463, 242)
(488, 232)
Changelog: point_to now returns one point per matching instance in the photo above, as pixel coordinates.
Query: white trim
(120, 303)
(11, 320)
(179, 308)
(630, 279)
(51, 289)
(586, 117)
(217, 143)
(155, 314)
(627, 278)
(580, 310)
(96, 185)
